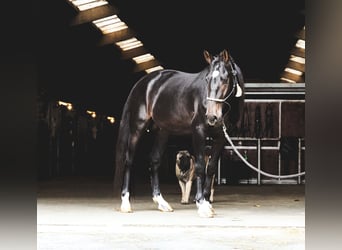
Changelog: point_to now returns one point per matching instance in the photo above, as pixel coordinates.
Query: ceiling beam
(298, 52)
(292, 77)
(90, 15)
(296, 65)
(301, 34)
(133, 53)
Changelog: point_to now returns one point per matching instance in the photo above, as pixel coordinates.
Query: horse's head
(222, 84)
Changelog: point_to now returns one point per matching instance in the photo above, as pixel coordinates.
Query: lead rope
(251, 166)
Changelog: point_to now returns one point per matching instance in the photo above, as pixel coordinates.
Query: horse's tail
(120, 153)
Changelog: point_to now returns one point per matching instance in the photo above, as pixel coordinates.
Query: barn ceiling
(79, 64)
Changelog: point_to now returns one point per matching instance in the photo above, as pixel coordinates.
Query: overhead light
(297, 59)
(92, 113)
(153, 69)
(110, 24)
(300, 44)
(293, 71)
(287, 80)
(66, 104)
(128, 44)
(143, 58)
(111, 119)
(62, 103)
(82, 5)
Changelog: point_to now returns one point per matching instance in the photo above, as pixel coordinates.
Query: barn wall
(279, 136)
(72, 143)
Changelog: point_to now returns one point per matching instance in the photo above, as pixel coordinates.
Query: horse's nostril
(212, 120)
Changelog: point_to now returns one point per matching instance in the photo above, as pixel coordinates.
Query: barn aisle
(81, 213)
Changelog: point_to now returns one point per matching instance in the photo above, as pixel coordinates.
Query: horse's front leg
(204, 207)
(208, 190)
(156, 157)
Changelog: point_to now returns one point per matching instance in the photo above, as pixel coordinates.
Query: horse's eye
(225, 76)
(224, 79)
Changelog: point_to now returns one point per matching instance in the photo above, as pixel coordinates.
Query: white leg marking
(162, 204)
(125, 204)
(205, 209)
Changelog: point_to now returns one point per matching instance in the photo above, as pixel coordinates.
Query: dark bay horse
(180, 103)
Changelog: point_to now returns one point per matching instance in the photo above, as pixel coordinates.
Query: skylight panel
(294, 71)
(287, 80)
(82, 5)
(300, 44)
(143, 58)
(128, 44)
(297, 59)
(153, 69)
(110, 24)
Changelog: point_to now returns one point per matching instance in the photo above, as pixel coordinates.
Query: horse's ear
(224, 55)
(207, 56)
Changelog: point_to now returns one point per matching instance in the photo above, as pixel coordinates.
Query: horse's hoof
(163, 205)
(125, 204)
(124, 209)
(205, 209)
(165, 208)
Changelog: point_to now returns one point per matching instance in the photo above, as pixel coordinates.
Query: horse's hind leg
(156, 157)
(133, 139)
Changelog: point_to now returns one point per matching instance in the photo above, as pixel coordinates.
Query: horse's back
(166, 96)
(149, 85)
(172, 100)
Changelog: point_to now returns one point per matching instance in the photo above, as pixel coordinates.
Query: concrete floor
(81, 213)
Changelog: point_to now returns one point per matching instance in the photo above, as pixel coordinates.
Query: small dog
(185, 173)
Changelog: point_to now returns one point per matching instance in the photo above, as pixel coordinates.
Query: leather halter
(235, 82)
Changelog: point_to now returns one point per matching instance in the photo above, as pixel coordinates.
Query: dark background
(75, 68)
(19, 80)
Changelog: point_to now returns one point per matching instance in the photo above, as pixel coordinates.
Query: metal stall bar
(258, 147)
